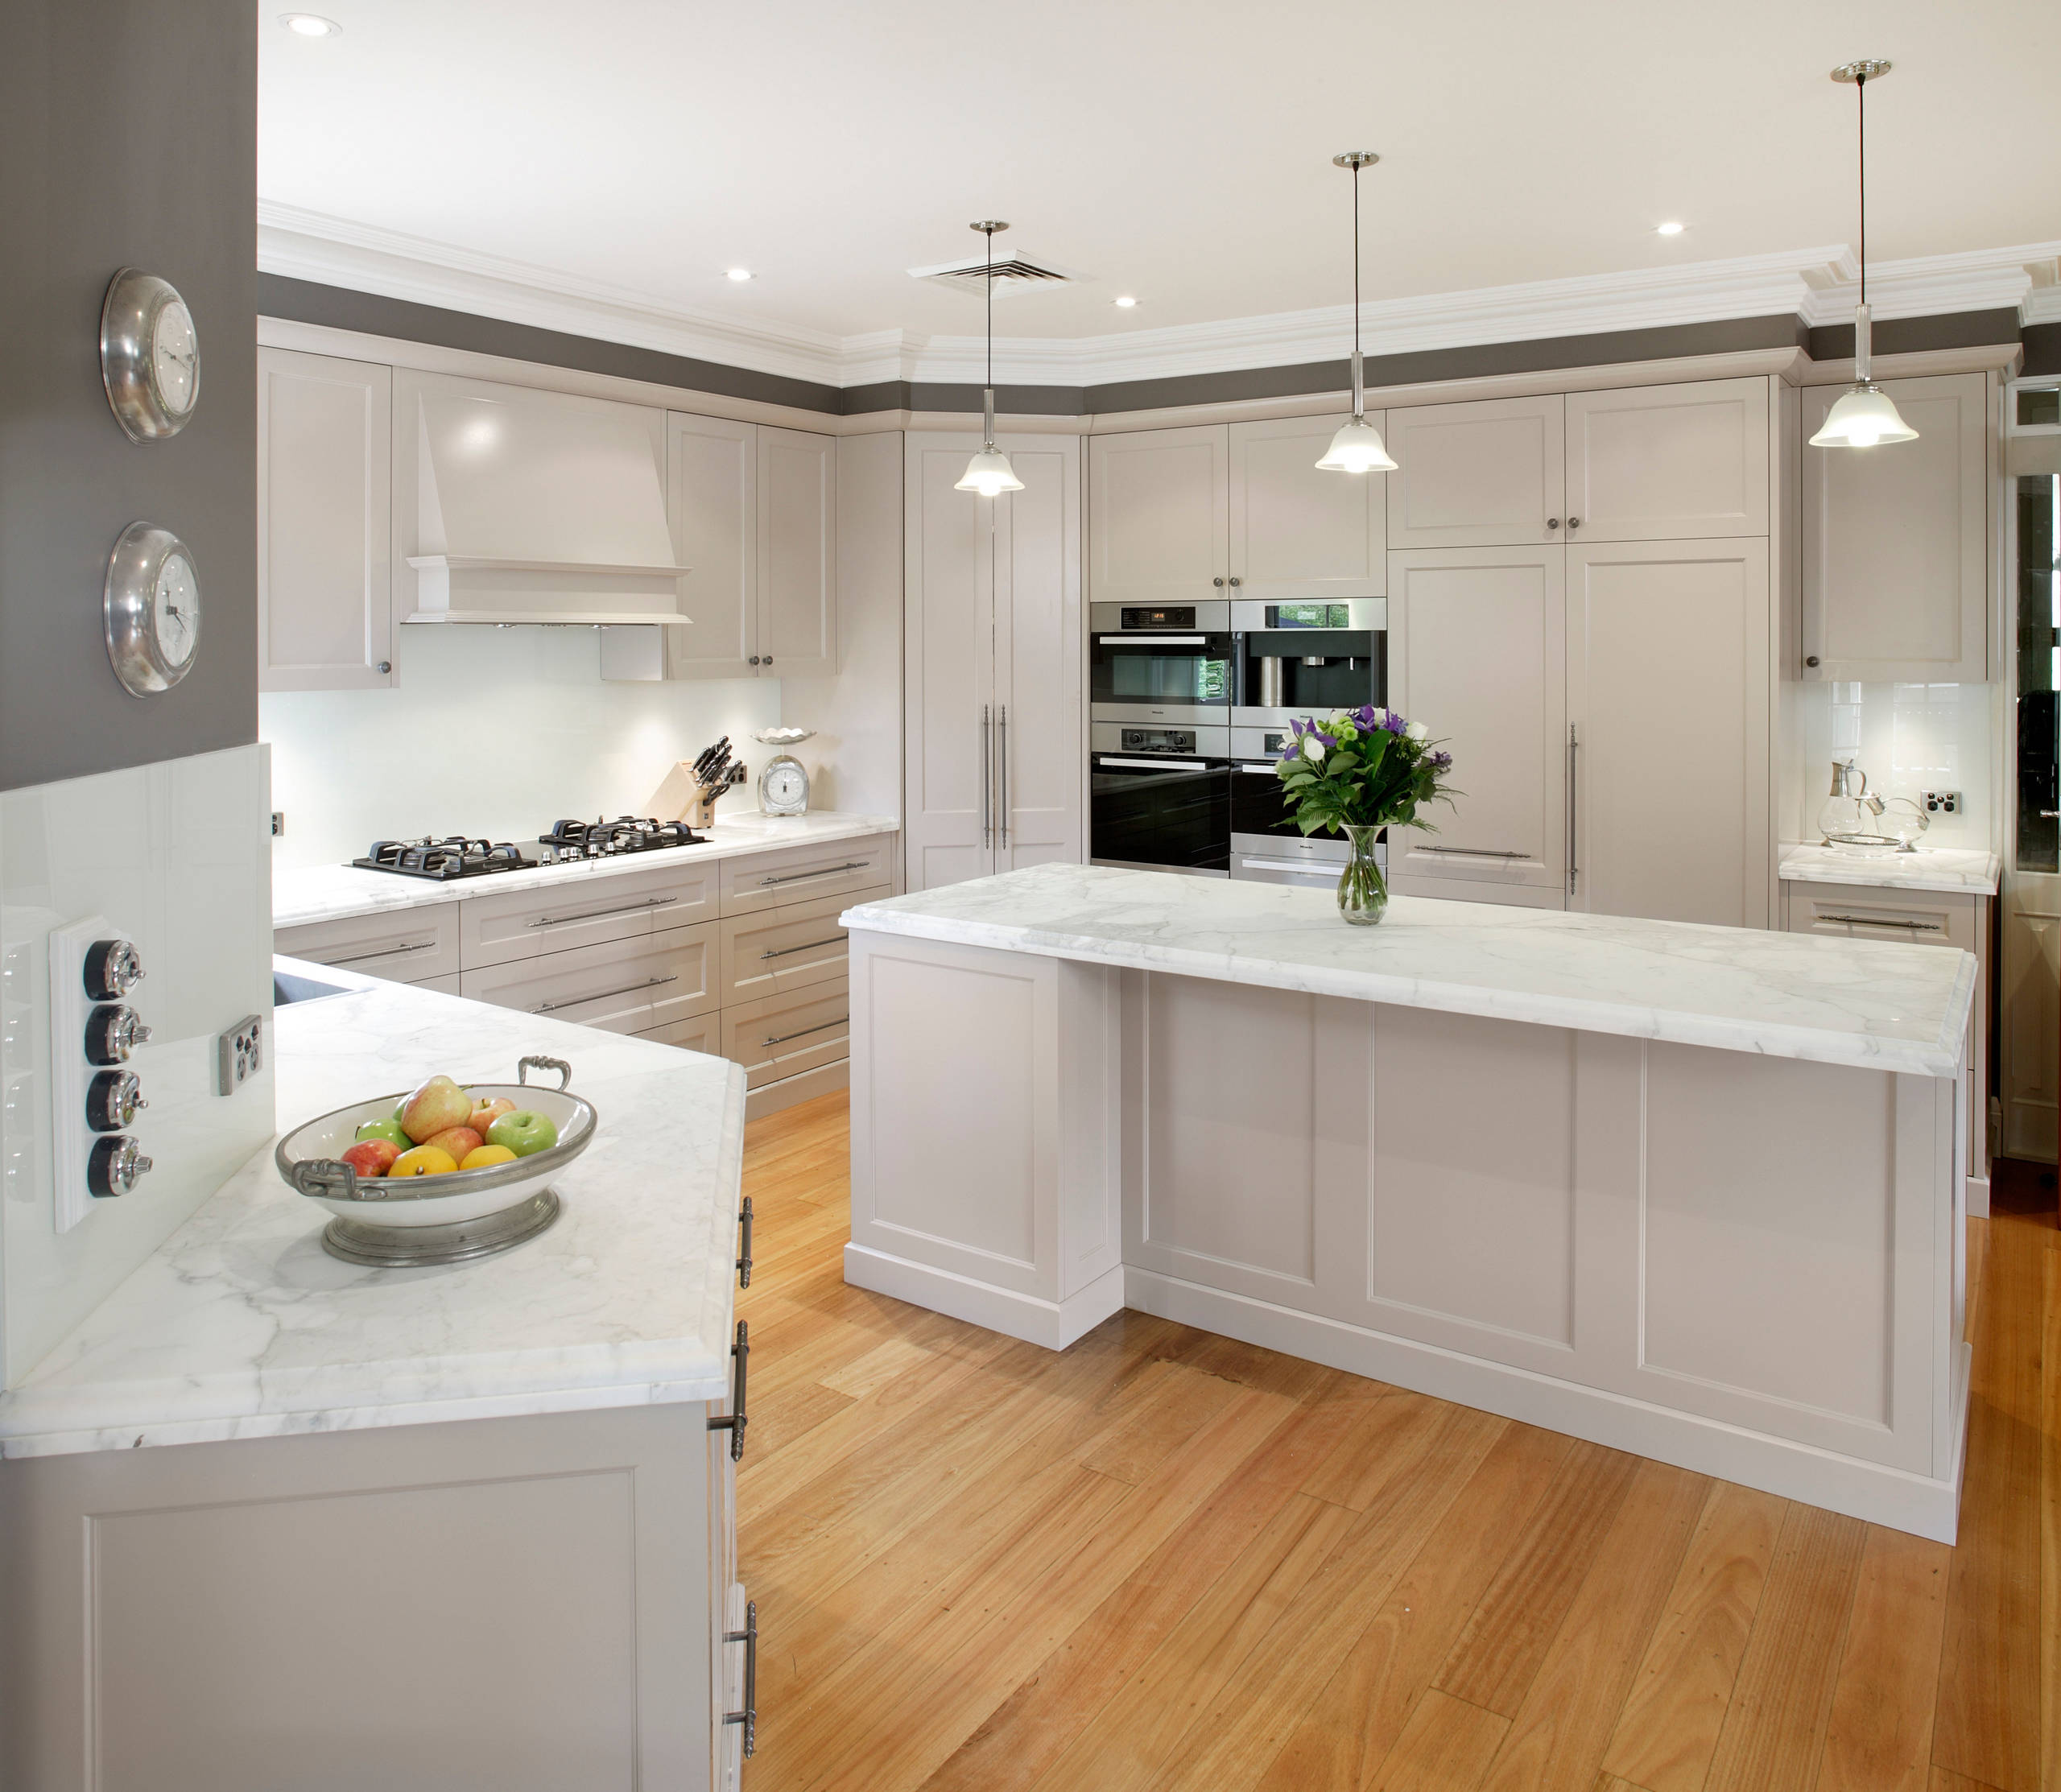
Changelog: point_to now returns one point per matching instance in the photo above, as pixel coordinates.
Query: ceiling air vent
(1016, 274)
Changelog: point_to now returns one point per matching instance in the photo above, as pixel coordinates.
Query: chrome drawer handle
(788, 952)
(1328, 867)
(596, 914)
(1145, 638)
(392, 951)
(1259, 771)
(1877, 921)
(749, 1717)
(744, 1250)
(602, 995)
(1471, 852)
(803, 1032)
(1152, 765)
(828, 871)
(733, 1421)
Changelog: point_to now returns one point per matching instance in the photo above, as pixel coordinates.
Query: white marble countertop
(1961, 871)
(241, 1325)
(1877, 1005)
(338, 892)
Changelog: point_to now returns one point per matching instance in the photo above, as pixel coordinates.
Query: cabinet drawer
(443, 985)
(625, 985)
(795, 945)
(703, 1032)
(584, 911)
(409, 945)
(1846, 911)
(762, 880)
(799, 1029)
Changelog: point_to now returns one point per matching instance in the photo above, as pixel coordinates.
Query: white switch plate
(70, 1139)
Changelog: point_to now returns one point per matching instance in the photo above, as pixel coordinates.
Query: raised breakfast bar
(1693, 1192)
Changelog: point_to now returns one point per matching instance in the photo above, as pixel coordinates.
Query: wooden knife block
(682, 797)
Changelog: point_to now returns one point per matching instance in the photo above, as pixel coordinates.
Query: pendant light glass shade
(1357, 447)
(988, 472)
(1864, 416)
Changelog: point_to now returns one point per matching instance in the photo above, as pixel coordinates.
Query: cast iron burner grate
(604, 839)
(442, 859)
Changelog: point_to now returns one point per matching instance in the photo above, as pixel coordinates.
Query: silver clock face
(783, 787)
(150, 356)
(176, 612)
(152, 608)
(175, 358)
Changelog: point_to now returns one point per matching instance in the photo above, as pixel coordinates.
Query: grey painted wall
(128, 134)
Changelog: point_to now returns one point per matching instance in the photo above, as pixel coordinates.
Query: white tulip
(1418, 732)
(1312, 747)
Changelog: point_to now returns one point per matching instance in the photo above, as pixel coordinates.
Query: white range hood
(539, 507)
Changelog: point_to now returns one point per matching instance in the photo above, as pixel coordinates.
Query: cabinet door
(325, 518)
(797, 551)
(1483, 475)
(1297, 533)
(1158, 526)
(1668, 681)
(1668, 462)
(948, 685)
(1895, 540)
(1477, 652)
(1039, 751)
(712, 501)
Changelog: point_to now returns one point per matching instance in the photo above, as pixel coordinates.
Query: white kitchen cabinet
(789, 1033)
(1895, 540)
(804, 873)
(500, 928)
(754, 515)
(1667, 463)
(992, 688)
(1668, 674)
(1486, 474)
(1158, 515)
(620, 985)
(325, 597)
(407, 945)
(1297, 533)
(1477, 651)
(784, 948)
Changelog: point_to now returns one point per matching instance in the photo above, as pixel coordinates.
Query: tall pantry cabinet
(1581, 603)
(992, 679)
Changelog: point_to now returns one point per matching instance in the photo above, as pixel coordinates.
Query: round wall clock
(150, 357)
(153, 609)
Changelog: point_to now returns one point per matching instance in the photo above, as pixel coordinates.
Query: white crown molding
(1818, 284)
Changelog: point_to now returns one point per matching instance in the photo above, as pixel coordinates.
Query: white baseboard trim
(1978, 1197)
(1870, 1491)
(770, 1098)
(1054, 1324)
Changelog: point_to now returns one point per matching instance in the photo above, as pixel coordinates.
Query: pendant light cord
(1861, 94)
(1355, 257)
(990, 236)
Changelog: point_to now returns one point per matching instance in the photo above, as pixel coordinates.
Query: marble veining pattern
(240, 1325)
(339, 892)
(1945, 870)
(1876, 1005)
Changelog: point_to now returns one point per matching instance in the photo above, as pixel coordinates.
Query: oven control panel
(1159, 739)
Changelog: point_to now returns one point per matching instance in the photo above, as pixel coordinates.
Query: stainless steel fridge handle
(987, 782)
(1574, 744)
(1002, 759)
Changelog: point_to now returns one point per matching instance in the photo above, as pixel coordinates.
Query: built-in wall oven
(1266, 846)
(1160, 799)
(1166, 666)
(1308, 660)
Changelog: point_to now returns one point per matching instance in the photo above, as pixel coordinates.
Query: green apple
(388, 1129)
(525, 1132)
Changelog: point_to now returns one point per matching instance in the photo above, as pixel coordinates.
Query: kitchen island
(1689, 1191)
(465, 1525)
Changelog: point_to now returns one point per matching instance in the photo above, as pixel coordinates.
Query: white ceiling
(1177, 150)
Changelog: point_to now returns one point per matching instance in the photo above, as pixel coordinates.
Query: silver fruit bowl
(413, 1220)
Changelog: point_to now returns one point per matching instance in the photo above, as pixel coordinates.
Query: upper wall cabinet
(753, 512)
(1648, 463)
(1895, 540)
(1176, 516)
(325, 608)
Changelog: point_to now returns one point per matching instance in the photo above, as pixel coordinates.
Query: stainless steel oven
(1160, 799)
(1164, 665)
(1266, 847)
(1307, 659)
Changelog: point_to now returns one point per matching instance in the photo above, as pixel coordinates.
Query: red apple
(485, 1113)
(461, 1142)
(372, 1157)
(435, 1107)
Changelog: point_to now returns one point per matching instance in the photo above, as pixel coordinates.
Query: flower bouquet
(1357, 772)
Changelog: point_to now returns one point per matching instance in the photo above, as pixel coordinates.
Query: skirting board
(1054, 1324)
(770, 1098)
(1978, 1197)
(1879, 1495)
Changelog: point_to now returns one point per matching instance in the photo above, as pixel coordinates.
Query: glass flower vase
(1362, 890)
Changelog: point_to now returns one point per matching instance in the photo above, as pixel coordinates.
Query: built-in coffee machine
(1308, 660)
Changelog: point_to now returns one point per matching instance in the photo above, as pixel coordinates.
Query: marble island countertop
(339, 892)
(241, 1325)
(1962, 871)
(1876, 1005)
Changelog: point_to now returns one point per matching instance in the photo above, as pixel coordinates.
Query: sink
(287, 988)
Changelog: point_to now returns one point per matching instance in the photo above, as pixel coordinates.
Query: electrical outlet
(279, 823)
(238, 1053)
(1942, 803)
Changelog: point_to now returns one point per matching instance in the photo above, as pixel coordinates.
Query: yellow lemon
(485, 1157)
(425, 1160)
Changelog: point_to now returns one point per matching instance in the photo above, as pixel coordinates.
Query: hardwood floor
(1167, 1560)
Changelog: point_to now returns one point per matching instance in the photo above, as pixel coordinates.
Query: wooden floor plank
(1668, 1730)
(1557, 1740)
(1988, 1722)
(1445, 1747)
(1493, 1663)
(1773, 1735)
(1880, 1736)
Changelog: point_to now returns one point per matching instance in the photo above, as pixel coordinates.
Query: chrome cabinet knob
(386, 666)
(1236, 580)
(1810, 659)
(1552, 523)
(1574, 523)
(754, 659)
(1218, 582)
(114, 1167)
(766, 661)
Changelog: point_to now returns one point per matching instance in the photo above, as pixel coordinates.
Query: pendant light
(988, 472)
(1357, 447)
(1864, 415)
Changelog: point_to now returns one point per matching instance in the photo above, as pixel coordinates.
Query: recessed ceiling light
(1674, 227)
(310, 24)
(1126, 301)
(737, 274)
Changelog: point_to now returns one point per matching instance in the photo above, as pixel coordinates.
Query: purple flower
(1364, 716)
(1393, 722)
(1441, 762)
